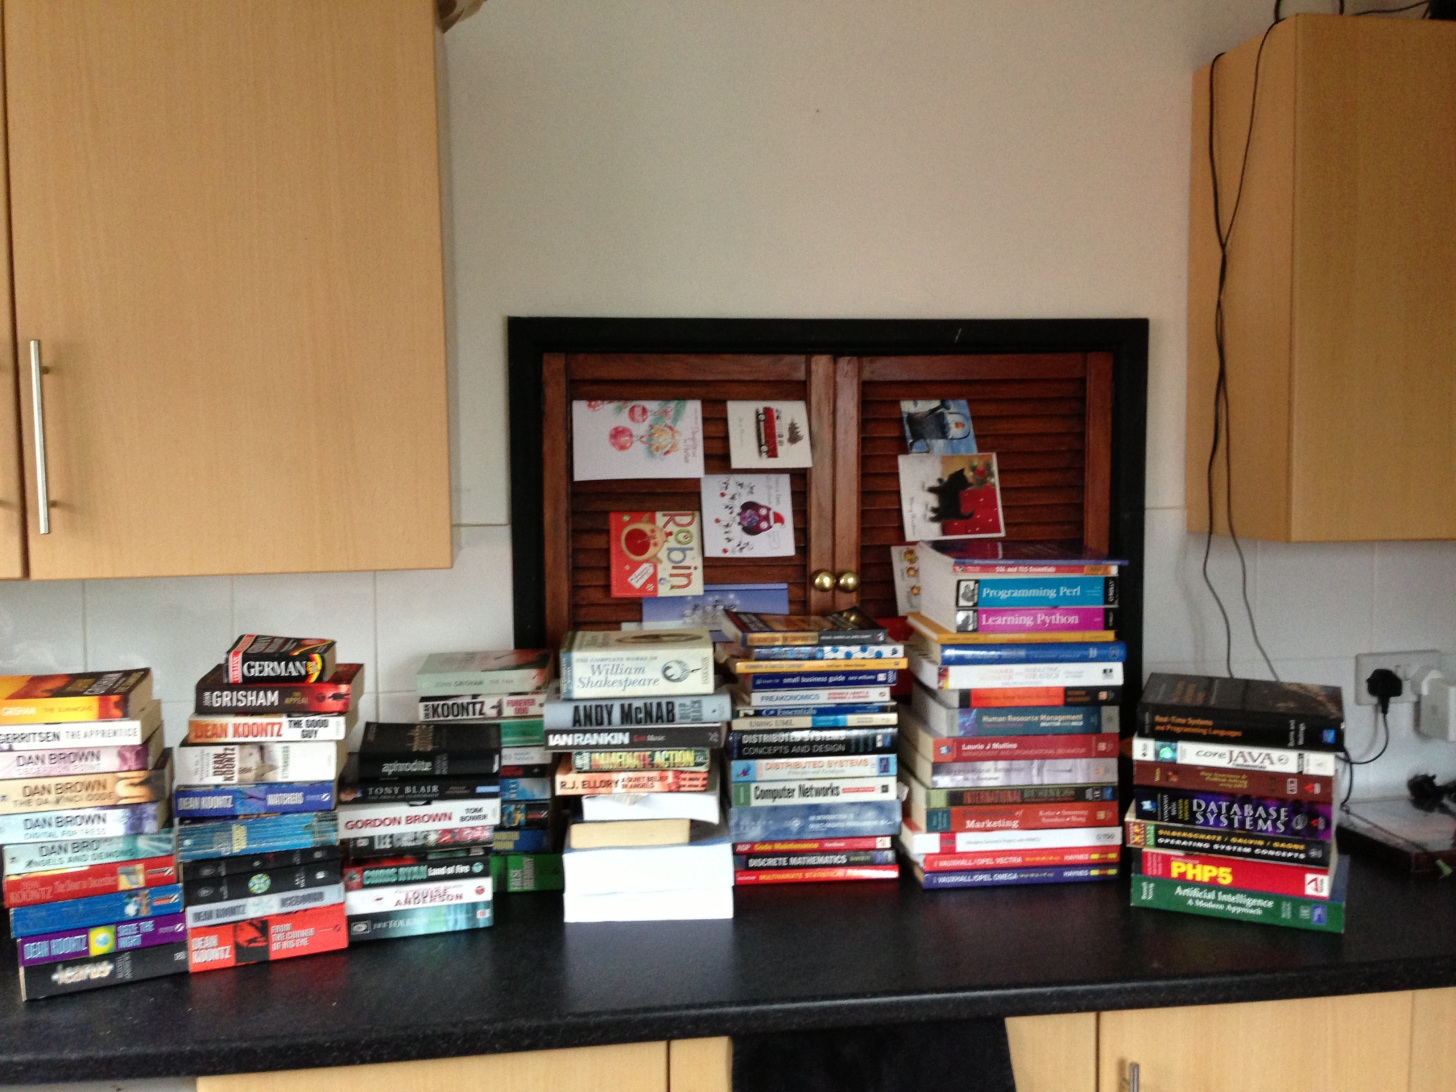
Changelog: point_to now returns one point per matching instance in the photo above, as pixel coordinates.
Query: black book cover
(429, 738)
(244, 885)
(212, 867)
(1304, 716)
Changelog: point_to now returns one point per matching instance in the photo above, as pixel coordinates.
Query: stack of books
(1009, 744)
(257, 787)
(1233, 812)
(812, 747)
(638, 754)
(508, 690)
(90, 882)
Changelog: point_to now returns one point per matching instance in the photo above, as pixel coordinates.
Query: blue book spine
(819, 711)
(1036, 591)
(1110, 652)
(227, 801)
(527, 840)
(418, 921)
(752, 770)
(1060, 720)
(265, 834)
(814, 680)
(525, 788)
(872, 818)
(829, 652)
(52, 917)
(1010, 877)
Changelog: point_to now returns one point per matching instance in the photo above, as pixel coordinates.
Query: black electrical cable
(1351, 763)
(1221, 414)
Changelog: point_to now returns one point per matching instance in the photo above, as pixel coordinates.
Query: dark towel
(945, 1056)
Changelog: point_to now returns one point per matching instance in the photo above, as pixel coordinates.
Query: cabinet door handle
(37, 409)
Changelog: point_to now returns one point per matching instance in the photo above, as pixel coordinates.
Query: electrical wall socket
(1404, 664)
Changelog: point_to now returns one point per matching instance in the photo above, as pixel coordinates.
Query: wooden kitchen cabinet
(226, 239)
(1340, 295)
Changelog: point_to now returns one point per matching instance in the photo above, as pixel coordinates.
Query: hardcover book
(1303, 716)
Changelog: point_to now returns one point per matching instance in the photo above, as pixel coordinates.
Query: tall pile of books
(1009, 745)
(90, 882)
(637, 742)
(812, 747)
(1233, 812)
(257, 787)
(507, 690)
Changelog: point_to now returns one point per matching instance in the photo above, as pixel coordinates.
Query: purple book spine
(1220, 811)
(101, 939)
(1010, 877)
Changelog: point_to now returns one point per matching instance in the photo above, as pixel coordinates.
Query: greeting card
(938, 426)
(630, 439)
(768, 435)
(905, 563)
(747, 515)
(951, 496)
(655, 554)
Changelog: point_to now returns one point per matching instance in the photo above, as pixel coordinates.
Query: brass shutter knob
(823, 580)
(848, 581)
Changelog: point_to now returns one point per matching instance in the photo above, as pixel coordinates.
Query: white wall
(802, 158)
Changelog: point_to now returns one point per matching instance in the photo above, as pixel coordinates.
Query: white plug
(1436, 709)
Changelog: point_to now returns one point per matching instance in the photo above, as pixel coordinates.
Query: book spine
(1013, 877)
(295, 659)
(1009, 620)
(1001, 841)
(77, 975)
(256, 763)
(272, 729)
(810, 742)
(796, 821)
(482, 706)
(571, 783)
(773, 718)
(1022, 675)
(794, 769)
(1023, 794)
(820, 790)
(1276, 760)
(523, 841)
(1216, 902)
(1020, 817)
(525, 756)
(100, 940)
(636, 712)
(443, 764)
(814, 845)
(267, 939)
(1271, 879)
(884, 666)
(407, 895)
(972, 566)
(1019, 858)
(1051, 653)
(420, 921)
(1031, 591)
(830, 652)
(816, 680)
(80, 761)
(1017, 748)
(53, 917)
(49, 737)
(679, 758)
(1011, 697)
(992, 774)
(80, 883)
(633, 739)
(369, 820)
(1246, 729)
(84, 852)
(1237, 782)
(438, 790)
(509, 680)
(845, 695)
(842, 859)
(85, 791)
(412, 870)
(64, 710)
(44, 826)
(748, 713)
(1140, 834)
(334, 696)
(522, 732)
(1035, 721)
(426, 840)
(268, 882)
(675, 672)
(261, 906)
(521, 789)
(744, 877)
(214, 867)
(228, 801)
(522, 872)
(266, 834)
(523, 813)
(1220, 811)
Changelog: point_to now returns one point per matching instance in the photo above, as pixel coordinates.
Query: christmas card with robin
(747, 515)
(951, 496)
(768, 435)
(655, 554)
(636, 439)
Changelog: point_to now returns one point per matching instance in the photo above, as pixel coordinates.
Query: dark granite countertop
(794, 957)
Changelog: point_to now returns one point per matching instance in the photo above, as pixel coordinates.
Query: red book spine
(814, 845)
(260, 940)
(1236, 782)
(79, 883)
(991, 748)
(1237, 872)
(1019, 858)
(816, 875)
(1034, 816)
(1013, 696)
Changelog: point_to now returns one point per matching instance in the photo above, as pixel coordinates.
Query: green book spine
(1220, 902)
(523, 732)
(534, 872)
